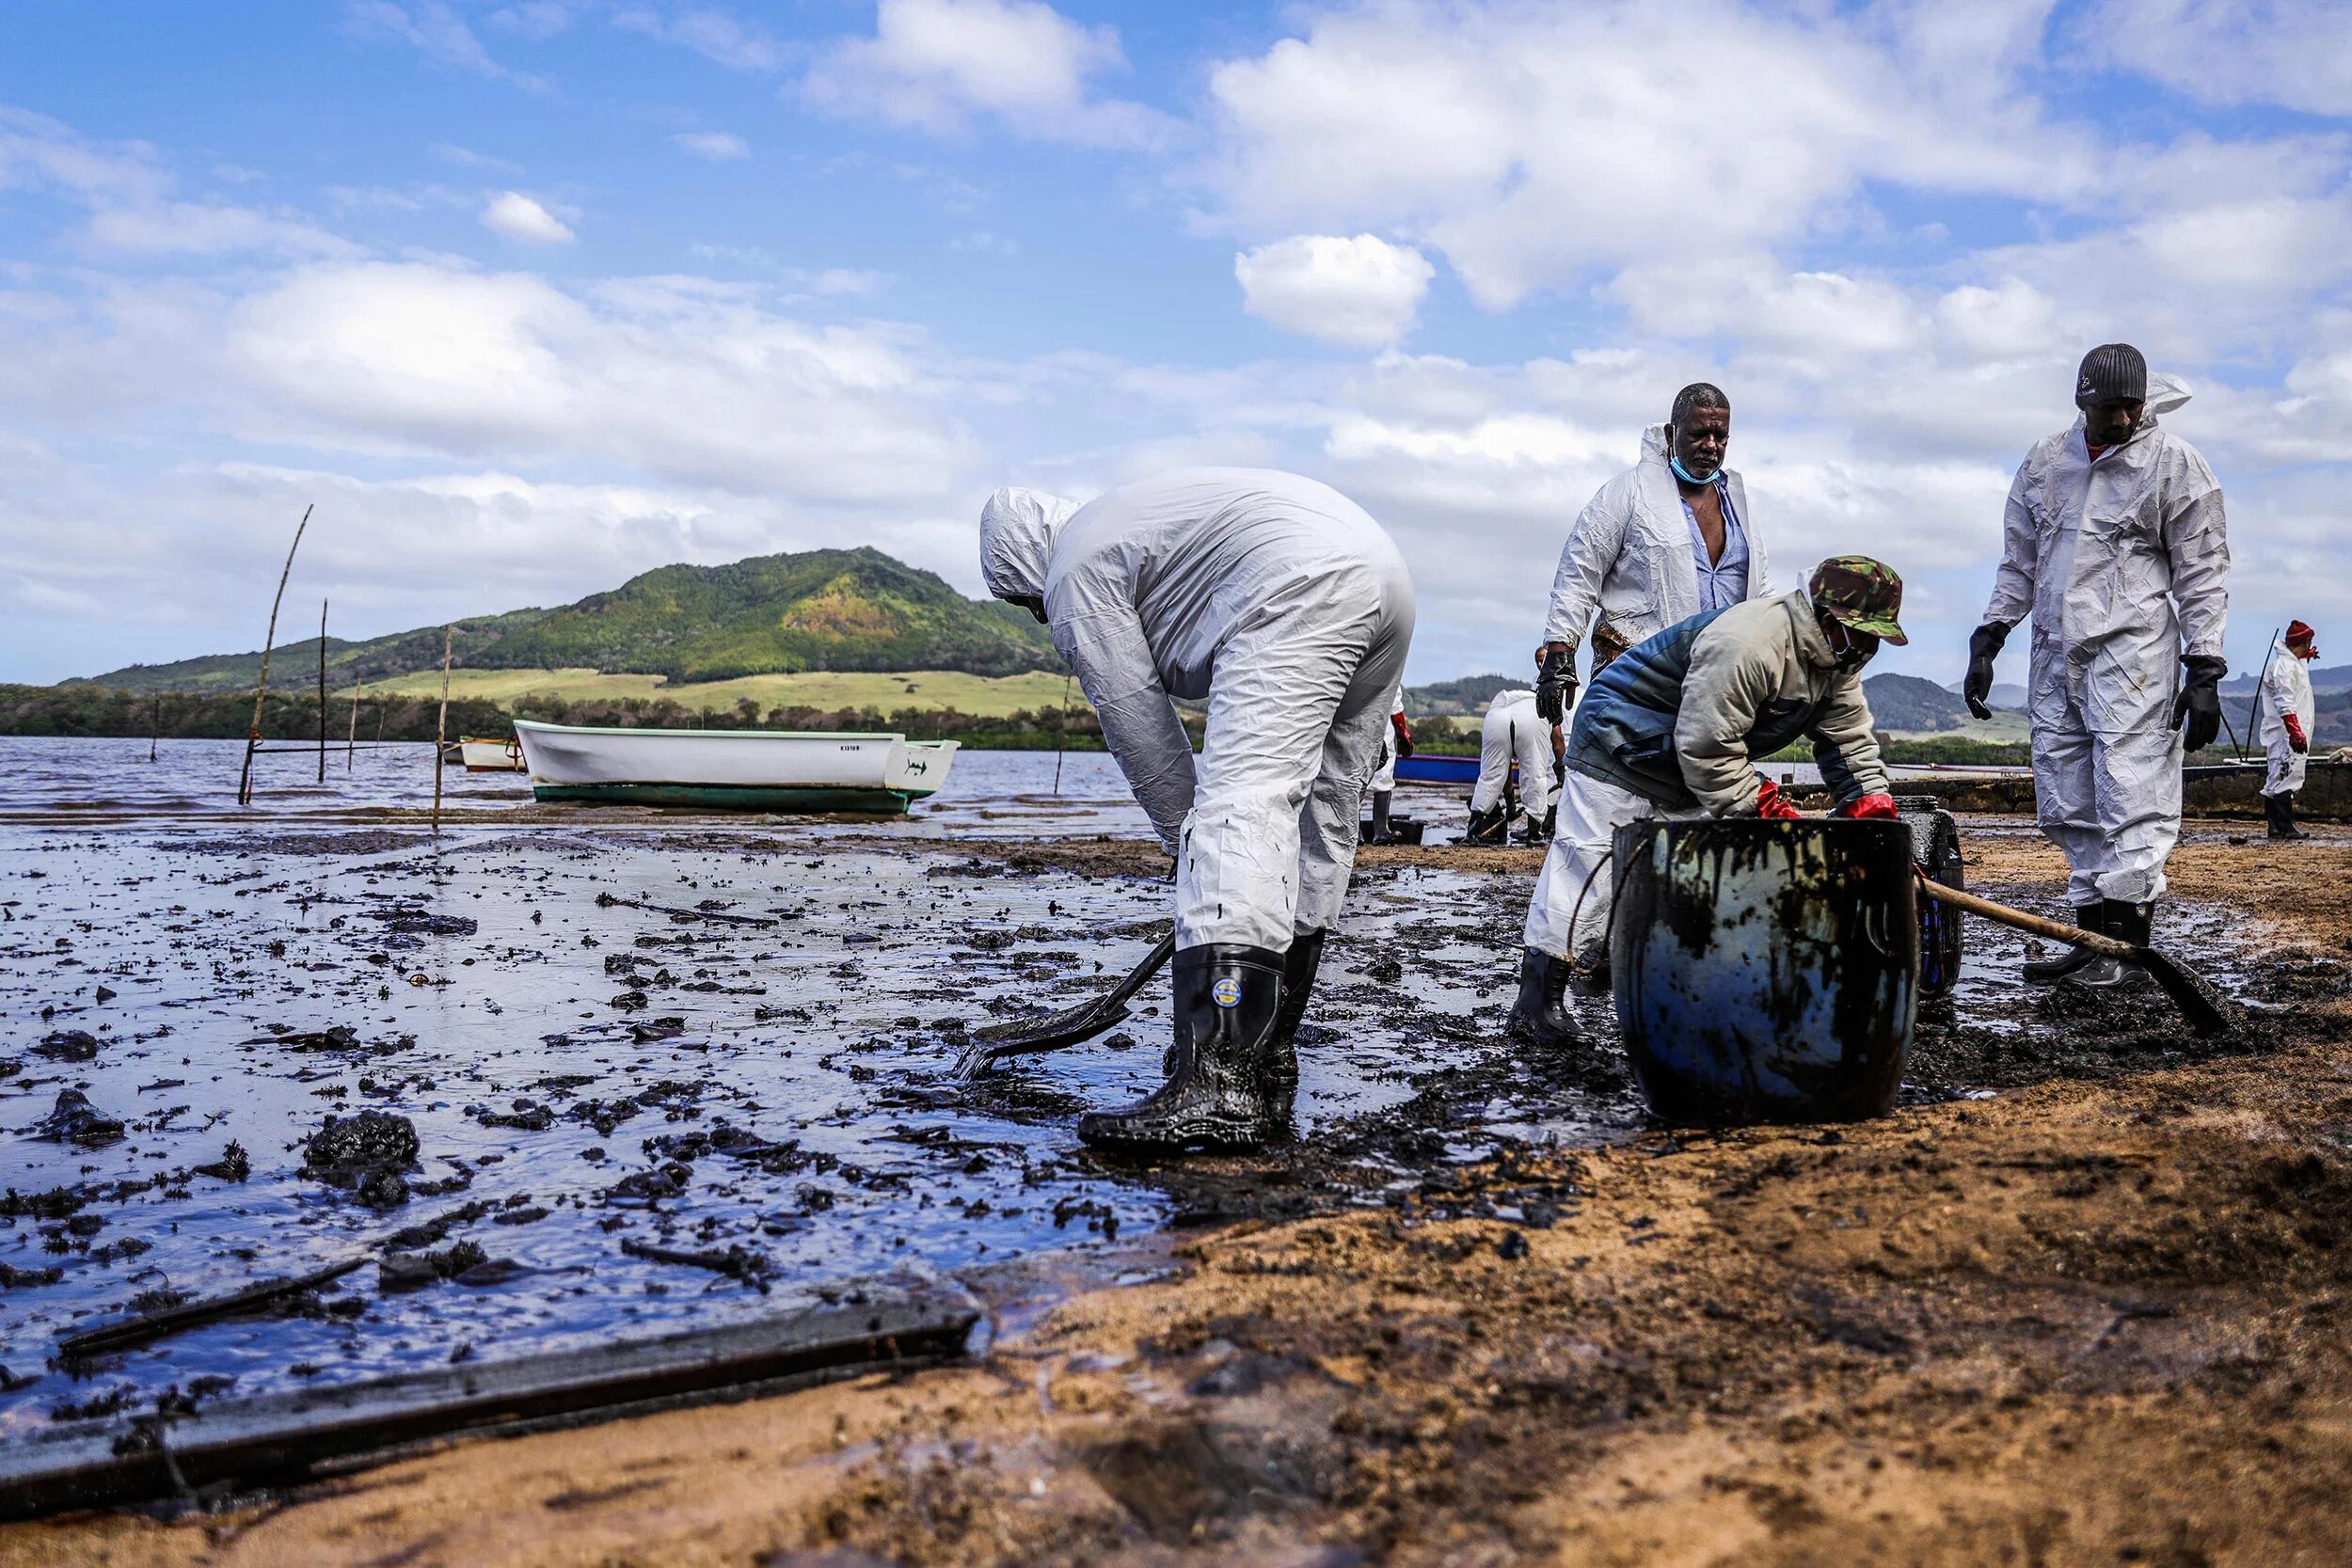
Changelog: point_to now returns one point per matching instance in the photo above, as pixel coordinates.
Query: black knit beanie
(2112, 373)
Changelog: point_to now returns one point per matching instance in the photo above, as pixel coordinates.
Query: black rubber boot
(2130, 923)
(1380, 802)
(1227, 997)
(2044, 972)
(1486, 826)
(1280, 1070)
(2279, 808)
(1540, 1016)
(1589, 973)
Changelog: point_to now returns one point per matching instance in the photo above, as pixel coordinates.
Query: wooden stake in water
(351, 741)
(261, 692)
(440, 730)
(157, 733)
(322, 692)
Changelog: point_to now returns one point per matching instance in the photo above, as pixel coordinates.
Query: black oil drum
(1935, 845)
(1766, 971)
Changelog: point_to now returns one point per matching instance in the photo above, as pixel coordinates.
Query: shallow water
(480, 978)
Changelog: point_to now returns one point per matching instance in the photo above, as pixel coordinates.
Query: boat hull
(490, 756)
(733, 769)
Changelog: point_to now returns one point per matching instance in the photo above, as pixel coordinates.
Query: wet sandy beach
(1479, 1313)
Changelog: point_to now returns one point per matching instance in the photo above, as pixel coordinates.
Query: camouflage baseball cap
(1864, 594)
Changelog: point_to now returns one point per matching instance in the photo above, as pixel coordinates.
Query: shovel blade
(1027, 1035)
(2205, 1010)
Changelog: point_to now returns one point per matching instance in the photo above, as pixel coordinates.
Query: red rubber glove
(1870, 807)
(1769, 805)
(2296, 738)
(1403, 734)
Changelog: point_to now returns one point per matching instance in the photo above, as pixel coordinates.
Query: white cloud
(523, 220)
(1360, 292)
(1535, 145)
(466, 157)
(536, 20)
(719, 146)
(435, 30)
(711, 33)
(2285, 52)
(934, 65)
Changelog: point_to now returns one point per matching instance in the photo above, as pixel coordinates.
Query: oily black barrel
(1935, 845)
(1766, 971)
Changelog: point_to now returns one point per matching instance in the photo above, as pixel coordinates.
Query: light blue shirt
(1722, 583)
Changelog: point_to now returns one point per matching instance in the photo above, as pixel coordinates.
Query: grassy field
(982, 696)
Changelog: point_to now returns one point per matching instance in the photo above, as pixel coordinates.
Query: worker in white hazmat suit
(2288, 713)
(1669, 538)
(1673, 730)
(2116, 543)
(1514, 733)
(1285, 607)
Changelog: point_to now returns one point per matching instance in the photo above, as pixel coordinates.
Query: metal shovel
(1021, 1037)
(2204, 1008)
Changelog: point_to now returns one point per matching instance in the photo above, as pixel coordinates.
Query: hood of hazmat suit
(1017, 529)
(2124, 564)
(1628, 555)
(1283, 605)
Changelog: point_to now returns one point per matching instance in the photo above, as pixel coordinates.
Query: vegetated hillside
(818, 609)
(1467, 696)
(1909, 703)
(2336, 677)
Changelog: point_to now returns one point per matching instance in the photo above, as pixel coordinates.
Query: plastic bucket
(1766, 971)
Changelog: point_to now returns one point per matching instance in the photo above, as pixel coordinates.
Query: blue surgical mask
(1675, 462)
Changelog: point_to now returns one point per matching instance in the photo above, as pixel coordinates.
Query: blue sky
(532, 297)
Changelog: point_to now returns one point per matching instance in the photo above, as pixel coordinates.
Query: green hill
(772, 614)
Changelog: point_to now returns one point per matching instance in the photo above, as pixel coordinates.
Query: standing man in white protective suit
(1396, 744)
(1513, 732)
(2115, 543)
(1285, 606)
(2288, 713)
(1666, 540)
(1669, 538)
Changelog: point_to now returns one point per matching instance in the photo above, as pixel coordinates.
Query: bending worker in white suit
(1286, 607)
(2115, 543)
(1513, 731)
(2288, 713)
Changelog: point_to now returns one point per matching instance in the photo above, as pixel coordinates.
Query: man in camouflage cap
(1673, 728)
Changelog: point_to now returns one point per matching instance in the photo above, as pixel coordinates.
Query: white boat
(489, 756)
(733, 769)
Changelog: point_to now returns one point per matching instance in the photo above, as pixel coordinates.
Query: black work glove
(2199, 701)
(1984, 646)
(1555, 688)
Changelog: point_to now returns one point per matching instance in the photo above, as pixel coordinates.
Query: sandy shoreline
(2099, 1318)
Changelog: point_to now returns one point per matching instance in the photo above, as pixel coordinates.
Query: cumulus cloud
(523, 220)
(1360, 292)
(719, 146)
(1532, 145)
(937, 65)
(2285, 52)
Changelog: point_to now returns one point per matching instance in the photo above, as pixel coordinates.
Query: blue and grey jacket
(1680, 719)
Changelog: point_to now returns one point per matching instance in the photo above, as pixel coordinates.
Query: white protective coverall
(2124, 566)
(1288, 608)
(1515, 732)
(1628, 555)
(2286, 689)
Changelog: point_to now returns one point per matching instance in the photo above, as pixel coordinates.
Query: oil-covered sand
(1480, 1315)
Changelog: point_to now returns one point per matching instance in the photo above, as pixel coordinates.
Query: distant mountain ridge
(769, 614)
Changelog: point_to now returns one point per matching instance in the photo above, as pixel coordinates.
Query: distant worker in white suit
(2116, 543)
(1513, 732)
(1282, 603)
(2288, 714)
